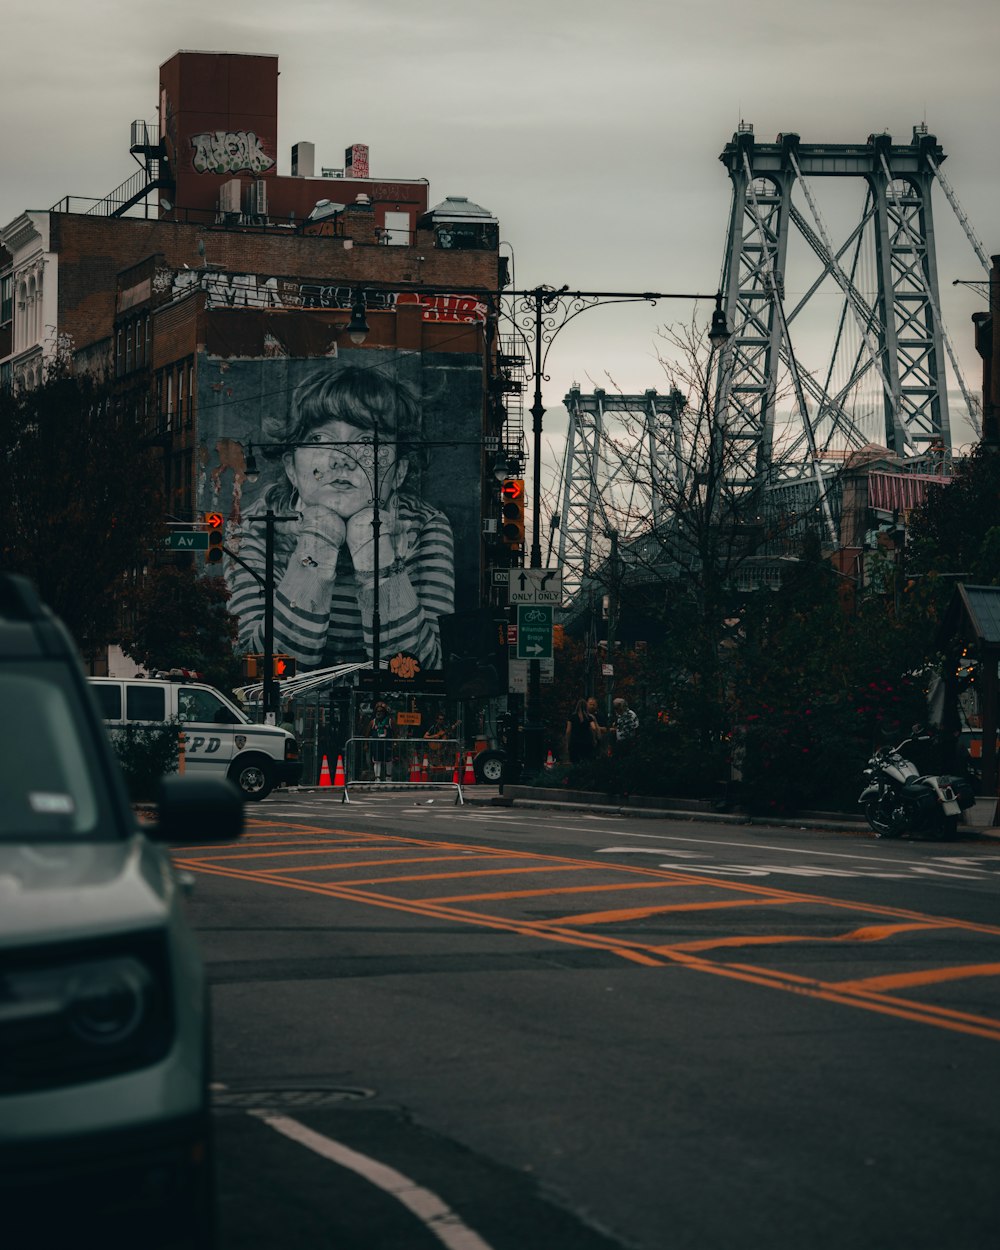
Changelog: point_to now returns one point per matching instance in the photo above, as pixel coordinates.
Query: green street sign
(534, 631)
(187, 540)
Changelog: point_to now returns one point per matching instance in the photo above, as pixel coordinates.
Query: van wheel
(254, 776)
(488, 767)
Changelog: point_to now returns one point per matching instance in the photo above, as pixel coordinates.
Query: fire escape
(154, 174)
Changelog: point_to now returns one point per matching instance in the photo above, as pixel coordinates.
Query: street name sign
(187, 540)
(536, 586)
(534, 632)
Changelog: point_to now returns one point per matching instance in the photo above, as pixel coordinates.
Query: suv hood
(72, 889)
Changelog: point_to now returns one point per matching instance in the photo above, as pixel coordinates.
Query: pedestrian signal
(282, 666)
(512, 511)
(251, 667)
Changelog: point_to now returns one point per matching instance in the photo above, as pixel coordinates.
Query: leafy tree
(817, 686)
(182, 620)
(79, 501)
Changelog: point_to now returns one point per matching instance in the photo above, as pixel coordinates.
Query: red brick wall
(94, 250)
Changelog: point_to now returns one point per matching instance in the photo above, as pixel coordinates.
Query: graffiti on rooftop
(228, 151)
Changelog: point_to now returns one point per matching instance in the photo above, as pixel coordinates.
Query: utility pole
(612, 621)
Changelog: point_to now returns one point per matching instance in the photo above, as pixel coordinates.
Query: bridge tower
(885, 380)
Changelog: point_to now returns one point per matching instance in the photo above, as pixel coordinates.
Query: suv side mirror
(198, 809)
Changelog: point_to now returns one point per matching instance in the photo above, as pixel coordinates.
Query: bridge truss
(868, 291)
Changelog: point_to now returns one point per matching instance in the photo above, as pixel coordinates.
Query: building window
(6, 298)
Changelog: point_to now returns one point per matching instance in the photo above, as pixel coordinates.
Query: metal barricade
(403, 763)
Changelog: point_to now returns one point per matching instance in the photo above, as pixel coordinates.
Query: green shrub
(146, 753)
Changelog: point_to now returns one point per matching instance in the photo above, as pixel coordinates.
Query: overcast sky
(591, 129)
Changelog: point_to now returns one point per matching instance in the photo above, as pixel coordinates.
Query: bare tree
(694, 531)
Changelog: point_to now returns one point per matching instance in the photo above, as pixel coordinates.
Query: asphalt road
(510, 1029)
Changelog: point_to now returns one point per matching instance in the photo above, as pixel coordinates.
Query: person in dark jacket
(581, 734)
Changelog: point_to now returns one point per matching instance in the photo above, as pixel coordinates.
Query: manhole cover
(285, 1098)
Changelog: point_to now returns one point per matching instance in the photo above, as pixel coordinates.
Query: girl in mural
(324, 564)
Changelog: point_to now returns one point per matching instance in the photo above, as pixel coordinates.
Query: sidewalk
(978, 820)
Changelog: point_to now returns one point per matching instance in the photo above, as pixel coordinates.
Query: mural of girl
(324, 474)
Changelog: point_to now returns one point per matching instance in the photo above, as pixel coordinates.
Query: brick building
(210, 287)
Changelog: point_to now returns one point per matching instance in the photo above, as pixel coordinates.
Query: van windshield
(194, 703)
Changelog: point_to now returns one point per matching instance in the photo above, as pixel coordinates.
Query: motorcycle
(899, 800)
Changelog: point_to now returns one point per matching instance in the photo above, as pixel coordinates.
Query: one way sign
(536, 586)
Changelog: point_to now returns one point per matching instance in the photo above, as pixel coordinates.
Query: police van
(219, 739)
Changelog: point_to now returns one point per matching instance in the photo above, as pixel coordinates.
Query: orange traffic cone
(324, 773)
(340, 777)
(415, 769)
(469, 777)
(455, 778)
(425, 772)
(549, 761)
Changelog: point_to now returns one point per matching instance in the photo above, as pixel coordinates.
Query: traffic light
(282, 666)
(512, 511)
(214, 521)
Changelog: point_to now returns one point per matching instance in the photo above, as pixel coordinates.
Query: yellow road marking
(929, 976)
(866, 994)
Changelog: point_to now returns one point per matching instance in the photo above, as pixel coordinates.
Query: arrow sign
(536, 586)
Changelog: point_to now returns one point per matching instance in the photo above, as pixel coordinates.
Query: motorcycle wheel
(876, 819)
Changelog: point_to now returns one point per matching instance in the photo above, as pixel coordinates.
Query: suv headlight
(106, 1001)
(67, 1021)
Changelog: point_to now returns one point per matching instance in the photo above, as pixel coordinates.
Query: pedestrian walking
(626, 723)
(380, 733)
(581, 734)
(600, 721)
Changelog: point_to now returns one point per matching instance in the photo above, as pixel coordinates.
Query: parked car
(105, 1119)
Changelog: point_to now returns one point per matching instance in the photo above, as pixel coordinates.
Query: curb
(827, 822)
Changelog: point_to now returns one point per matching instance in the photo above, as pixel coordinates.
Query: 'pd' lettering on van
(210, 745)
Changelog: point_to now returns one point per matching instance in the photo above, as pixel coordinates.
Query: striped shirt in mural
(415, 589)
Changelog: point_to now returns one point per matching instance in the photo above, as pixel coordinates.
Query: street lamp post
(270, 519)
(544, 312)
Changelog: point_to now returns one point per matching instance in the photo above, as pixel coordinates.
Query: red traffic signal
(512, 511)
(214, 520)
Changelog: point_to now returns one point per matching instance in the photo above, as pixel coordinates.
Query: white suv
(104, 1039)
